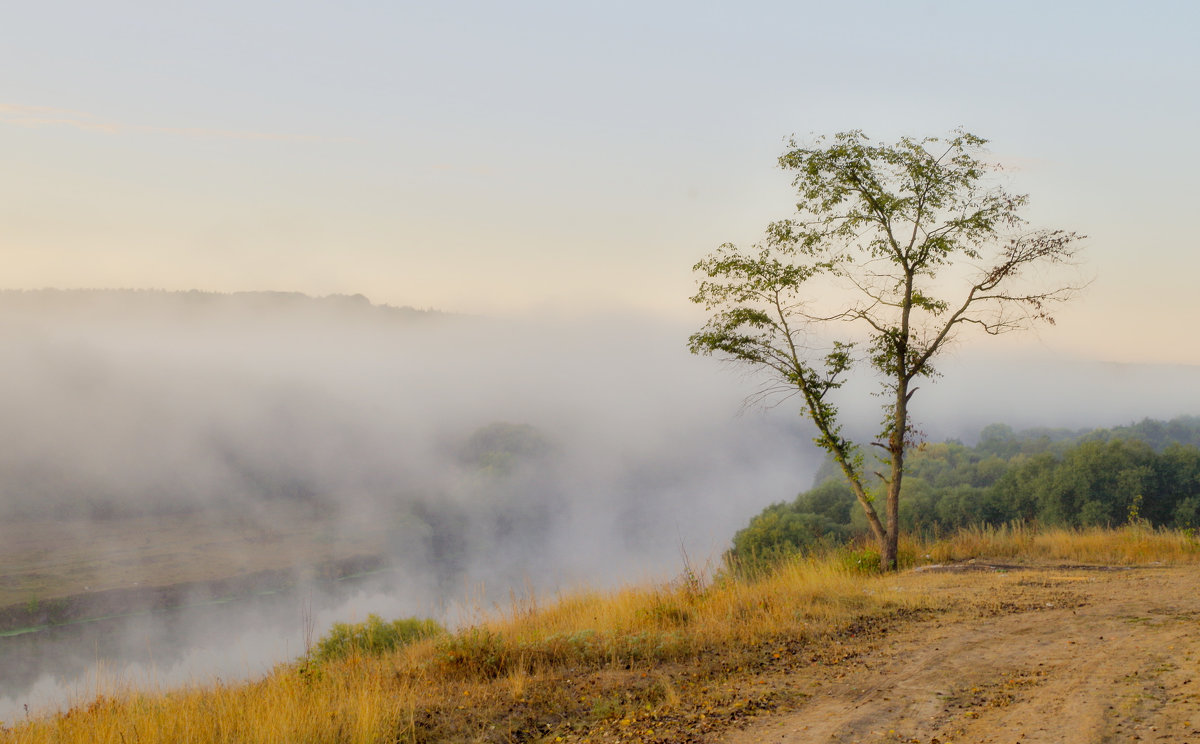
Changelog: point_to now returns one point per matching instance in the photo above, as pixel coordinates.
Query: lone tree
(892, 250)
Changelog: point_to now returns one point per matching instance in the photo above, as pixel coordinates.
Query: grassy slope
(665, 663)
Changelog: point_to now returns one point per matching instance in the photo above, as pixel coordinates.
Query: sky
(549, 157)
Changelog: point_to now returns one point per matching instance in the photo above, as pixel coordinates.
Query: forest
(1147, 472)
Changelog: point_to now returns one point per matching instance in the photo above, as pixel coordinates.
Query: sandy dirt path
(1104, 656)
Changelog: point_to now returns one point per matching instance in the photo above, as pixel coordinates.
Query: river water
(55, 668)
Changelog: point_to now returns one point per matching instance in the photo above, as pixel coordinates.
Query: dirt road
(1097, 656)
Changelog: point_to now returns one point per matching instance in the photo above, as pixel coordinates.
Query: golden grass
(666, 623)
(359, 705)
(1129, 545)
(682, 654)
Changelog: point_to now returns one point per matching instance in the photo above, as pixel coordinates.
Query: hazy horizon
(571, 159)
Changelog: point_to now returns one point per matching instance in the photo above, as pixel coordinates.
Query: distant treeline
(1147, 471)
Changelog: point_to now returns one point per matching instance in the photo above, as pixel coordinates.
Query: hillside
(145, 304)
(997, 636)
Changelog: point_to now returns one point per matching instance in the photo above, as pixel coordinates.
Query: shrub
(865, 558)
(862, 560)
(780, 531)
(372, 637)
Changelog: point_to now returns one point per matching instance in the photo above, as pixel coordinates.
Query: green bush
(861, 560)
(372, 637)
(865, 559)
(780, 531)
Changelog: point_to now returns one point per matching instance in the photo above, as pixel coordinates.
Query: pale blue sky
(526, 156)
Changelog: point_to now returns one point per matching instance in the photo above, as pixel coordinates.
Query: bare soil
(1053, 654)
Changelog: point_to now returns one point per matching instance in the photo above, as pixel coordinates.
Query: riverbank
(62, 571)
(33, 616)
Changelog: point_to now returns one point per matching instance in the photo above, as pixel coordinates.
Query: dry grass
(357, 704)
(660, 663)
(1131, 545)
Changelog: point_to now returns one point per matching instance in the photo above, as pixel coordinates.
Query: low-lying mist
(127, 404)
(476, 456)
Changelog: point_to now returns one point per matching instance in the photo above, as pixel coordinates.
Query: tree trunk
(891, 546)
(889, 551)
